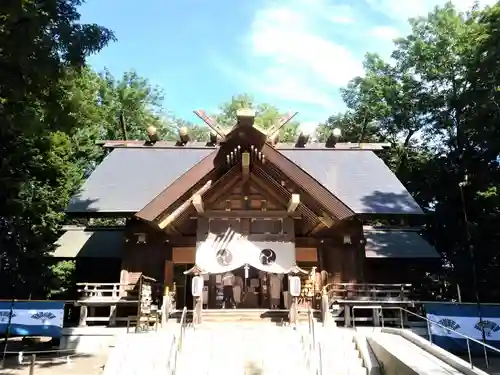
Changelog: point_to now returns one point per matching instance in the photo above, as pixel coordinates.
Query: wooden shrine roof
(131, 177)
(396, 243)
(82, 242)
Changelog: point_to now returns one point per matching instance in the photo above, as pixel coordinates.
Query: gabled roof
(128, 179)
(360, 179)
(332, 205)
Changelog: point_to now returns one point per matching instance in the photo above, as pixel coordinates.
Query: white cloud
(293, 61)
(387, 33)
(299, 53)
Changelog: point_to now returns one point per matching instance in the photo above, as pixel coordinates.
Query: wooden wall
(345, 262)
(149, 257)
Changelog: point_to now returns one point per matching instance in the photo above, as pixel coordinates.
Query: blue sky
(295, 54)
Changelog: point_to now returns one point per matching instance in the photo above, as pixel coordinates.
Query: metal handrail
(430, 322)
(180, 339)
(314, 351)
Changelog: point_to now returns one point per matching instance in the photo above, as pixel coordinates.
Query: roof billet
(282, 146)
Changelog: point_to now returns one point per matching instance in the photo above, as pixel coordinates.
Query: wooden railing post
(165, 308)
(325, 308)
(83, 315)
(112, 315)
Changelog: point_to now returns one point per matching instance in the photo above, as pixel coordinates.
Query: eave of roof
(397, 243)
(81, 242)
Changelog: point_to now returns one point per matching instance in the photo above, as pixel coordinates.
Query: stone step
(234, 348)
(226, 315)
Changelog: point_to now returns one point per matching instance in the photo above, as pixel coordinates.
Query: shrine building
(246, 203)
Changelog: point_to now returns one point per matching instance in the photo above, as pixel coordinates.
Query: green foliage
(62, 279)
(436, 103)
(40, 42)
(266, 116)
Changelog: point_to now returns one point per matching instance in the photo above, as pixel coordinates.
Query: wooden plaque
(184, 255)
(306, 254)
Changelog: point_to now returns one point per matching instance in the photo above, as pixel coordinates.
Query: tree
(40, 41)
(266, 116)
(436, 104)
(139, 103)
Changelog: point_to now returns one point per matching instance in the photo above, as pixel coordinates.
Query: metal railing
(312, 348)
(447, 329)
(179, 342)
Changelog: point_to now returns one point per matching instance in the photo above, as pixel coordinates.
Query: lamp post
(473, 264)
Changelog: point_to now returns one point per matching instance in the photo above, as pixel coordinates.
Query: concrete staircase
(246, 315)
(339, 353)
(237, 347)
(140, 354)
(242, 348)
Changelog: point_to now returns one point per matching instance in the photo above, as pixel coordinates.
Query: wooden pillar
(321, 255)
(333, 259)
(361, 260)
(168, 273)
(350, 263)
(123, 280)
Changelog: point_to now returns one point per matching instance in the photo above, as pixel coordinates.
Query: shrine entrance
(246, 288)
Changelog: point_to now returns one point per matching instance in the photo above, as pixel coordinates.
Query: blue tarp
(464, 319)
(32, 318)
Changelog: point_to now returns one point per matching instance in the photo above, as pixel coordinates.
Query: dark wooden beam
(267, 191)
(316, 229)
(326, 220)
(223, 186)
(264, 185)
(300, 241)
(222, 192)
(249, 214)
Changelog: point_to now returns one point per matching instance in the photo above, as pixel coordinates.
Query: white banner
(218, 254)
(468, 326)
(33, 317)
(274, 257)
